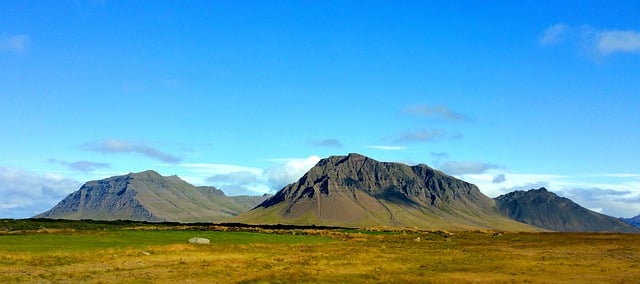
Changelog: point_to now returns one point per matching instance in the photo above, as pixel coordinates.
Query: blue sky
(248, 95)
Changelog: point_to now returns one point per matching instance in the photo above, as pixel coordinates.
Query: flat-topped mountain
(547, 210)
(148, 196)
(355, 190)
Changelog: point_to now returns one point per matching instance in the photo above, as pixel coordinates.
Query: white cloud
(462, 168)
(25, 194)
(289, 170)
(386, 147)
(14, 43)
(608, 42)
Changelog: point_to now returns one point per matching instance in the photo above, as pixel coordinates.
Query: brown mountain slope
(355, 190)
(148, 196)
(545, 209)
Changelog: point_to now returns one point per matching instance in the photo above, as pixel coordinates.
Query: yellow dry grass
(347, 257)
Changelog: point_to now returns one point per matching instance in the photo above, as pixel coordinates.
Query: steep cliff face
(148, 196)
(355, 190)
(545, 209)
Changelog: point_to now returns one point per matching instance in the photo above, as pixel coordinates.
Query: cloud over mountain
(81, 166)
(127, 147)
(421, 135)
(288, 170)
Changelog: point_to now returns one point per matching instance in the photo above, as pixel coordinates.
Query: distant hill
(547, 210)
(148, 196)
(355, 190)
(633, 221)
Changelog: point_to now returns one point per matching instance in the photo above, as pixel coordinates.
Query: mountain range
(348, 191)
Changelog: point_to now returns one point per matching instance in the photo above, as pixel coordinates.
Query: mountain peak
(145, 174)
(355, 190)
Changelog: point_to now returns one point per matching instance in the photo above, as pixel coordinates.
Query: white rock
(200, 241)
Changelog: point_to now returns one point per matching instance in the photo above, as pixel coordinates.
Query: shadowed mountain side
(355, 190)
(148, 196)
(633, 221)
(547, 210)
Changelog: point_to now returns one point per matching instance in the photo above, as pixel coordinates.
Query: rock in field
(199, 241)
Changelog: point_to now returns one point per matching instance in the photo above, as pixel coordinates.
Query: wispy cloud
(387, 147)
(608, 42)
(434, 111)
(25, 194)
(14, 43)
(120, 146)
(554, 34)
(81, 166)
(329, 143)
(592, 41)
(422, 135)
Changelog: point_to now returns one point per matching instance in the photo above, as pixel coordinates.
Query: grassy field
(147, 254)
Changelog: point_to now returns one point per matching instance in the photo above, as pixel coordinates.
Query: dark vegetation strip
(34, 224)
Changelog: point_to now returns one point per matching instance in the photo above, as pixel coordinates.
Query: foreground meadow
(163, 255)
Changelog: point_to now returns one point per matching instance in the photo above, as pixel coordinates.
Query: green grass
(123, 239)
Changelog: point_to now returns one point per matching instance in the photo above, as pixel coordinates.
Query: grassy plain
(146, 254)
